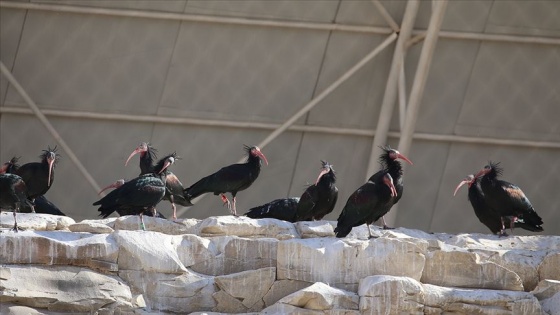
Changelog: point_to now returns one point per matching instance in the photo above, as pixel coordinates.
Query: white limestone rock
(320, 296)
(97, 251)
(248, 286)
(154, 224)
(164, 292)
(246, 227)
(391, 295)
(439, 300)
(343, 262)
(550, 267)
(35, 221)
(311, 229)
(522, 262)
(282, 288)
(62, 289)
(149, 251)
(90, 226)
(548, 294)
(454, 268)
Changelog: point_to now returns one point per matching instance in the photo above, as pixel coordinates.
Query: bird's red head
(50, 157)
(394, 154)
(143, 147)
(388, 180)
(470, 179)
(492, 169)
(324, 170)
(255, 151)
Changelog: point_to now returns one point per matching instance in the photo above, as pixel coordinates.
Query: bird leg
(385, 226)
(32, 205)
(234, 210)
(142, 221)
(173, 207)
(369, 231)
(15, 228)
(226, 201)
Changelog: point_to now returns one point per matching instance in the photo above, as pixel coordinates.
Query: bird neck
(394, 168)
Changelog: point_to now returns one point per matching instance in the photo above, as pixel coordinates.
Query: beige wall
(169, 68)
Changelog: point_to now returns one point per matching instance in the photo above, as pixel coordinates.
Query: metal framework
(403, 34)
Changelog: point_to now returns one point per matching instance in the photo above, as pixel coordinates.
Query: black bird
(484, 214)
(39, 176)
(13, 194)
(174, 187)
(139, 194)
(389, 163)
(318, 199)
(507, 200)
(232, 179)
(281, 209)
(367, 204)
(42, 204)
(129, 211)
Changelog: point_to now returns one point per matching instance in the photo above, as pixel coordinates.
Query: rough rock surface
(239, 265)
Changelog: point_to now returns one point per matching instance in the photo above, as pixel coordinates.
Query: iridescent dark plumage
(281, 209)
(41, 203)
(232, 179)
(320, 198)
(174, 187)
(13, 194)
(367, 204)
(389, 164)
(137, 195)
(39, 176)
(507, 199)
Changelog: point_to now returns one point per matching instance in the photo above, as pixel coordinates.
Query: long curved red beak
(137, 150)
(261, 155)
(116, 184)
(404, 158)
(51, 162)
(323, 172)
(463, 182)
(165, 166)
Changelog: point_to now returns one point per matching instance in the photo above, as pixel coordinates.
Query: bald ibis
(232, 179)
(128, 211)
(507, 200)
(41, 203)
(13, 194)
(367, 204)
(174, 187)
(320, 198)
(389, 163)
(39, 176)
(139, 194)
(281, 209)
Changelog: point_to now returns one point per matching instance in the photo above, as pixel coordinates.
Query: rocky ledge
(240, 265)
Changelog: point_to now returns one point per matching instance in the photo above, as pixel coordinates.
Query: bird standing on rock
(232, 179)
(139, 194)
(39, 176)
(320, 198)
(13, 194)
(507, 200)
(174, 187)
(367, 204)
(41, 203)
(389, 163)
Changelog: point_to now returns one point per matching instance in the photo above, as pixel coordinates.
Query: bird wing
(306, 204)
(227, 179)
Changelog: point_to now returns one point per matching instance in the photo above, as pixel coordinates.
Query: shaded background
(76, 64)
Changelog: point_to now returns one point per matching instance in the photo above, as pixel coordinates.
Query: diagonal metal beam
(388, 18)
(49, 126)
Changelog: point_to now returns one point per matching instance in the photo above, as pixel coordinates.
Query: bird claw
(386, 227)
(502, 234)
(16, 229)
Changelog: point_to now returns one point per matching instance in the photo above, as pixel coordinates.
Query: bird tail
(342, 231)
(281, 209)
(105, 212)
(530, 221)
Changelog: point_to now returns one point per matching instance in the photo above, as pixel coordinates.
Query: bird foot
(502, 234)
(385, 227)
(16, 229)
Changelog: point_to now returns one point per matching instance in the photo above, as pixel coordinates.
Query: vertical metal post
(390, 95)
(417, 90)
